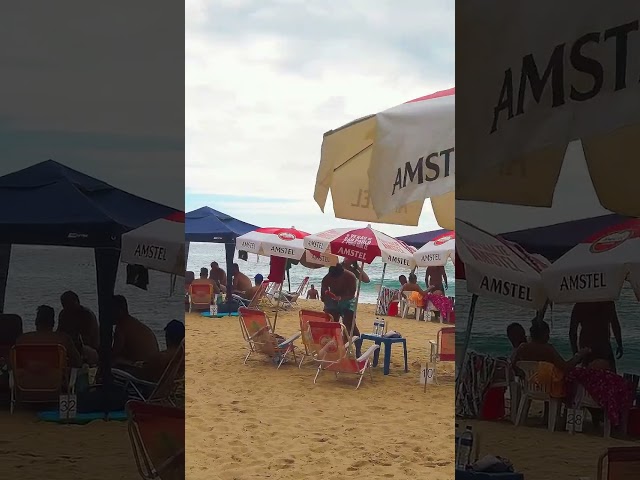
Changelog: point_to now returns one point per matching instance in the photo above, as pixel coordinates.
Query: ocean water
(202, 254)
(39, 275)
(491, 319)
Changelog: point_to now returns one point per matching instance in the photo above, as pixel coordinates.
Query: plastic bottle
(465, 447)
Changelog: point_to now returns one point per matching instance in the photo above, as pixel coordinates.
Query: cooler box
(392, 311)
(493, 405)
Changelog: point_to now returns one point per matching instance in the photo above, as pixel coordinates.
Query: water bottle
(465, 448)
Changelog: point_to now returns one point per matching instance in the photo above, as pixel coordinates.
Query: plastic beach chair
(39, 374)
(200, 296)
(442, 350)
(532, 389)
(331, 353)
(162, 392)
(257, 331)
(157, 440)
(619, 463)
(305, 317)
(291, 298)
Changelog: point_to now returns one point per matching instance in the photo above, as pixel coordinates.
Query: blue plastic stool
(378, 340)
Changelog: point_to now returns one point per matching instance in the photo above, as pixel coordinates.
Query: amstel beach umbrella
(437, 252)
(158, 245)
(382, 167)
(596, 269)
(363, 245)
(548, 73)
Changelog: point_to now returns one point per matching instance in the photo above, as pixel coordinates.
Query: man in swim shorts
(338, 292)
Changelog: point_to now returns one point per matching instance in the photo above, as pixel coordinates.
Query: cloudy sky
(96, 90)
(265, 79)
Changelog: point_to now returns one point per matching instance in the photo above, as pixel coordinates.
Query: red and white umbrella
(437, 252)
(158, 245)
(361, 244)
(596, 269)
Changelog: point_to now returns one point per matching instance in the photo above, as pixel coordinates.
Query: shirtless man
(596, 320)
(312, 293)
(241, 282)
(436, 279)
(133, 341)
(81, 325)
(153, 369)
(352, 266)
(204, 278)
(338, 292)
(218, 276)
(44, 335)
(249, 294)
(411, 286)
(516, 335)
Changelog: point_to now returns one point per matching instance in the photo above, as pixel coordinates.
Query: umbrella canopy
(437, 252)
(596, 269)
(494, 269)
(158, 245)
(361, 244)
(208, 225)
(534, 97)
(408, 152)
(417, 240)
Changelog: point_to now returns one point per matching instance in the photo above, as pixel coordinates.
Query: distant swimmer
(312, 293)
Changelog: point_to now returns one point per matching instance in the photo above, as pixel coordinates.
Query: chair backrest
(10, 329)
(305, 317)
(201, 293)
(302, 286)
(531, 383)
(447, 344)
(157, 439)
(256, 330)
(39, 368)
(327, 341)
(169, 380)
(255, 301)
(272, 287)
(619, 463)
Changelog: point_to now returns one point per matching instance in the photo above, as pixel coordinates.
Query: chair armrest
(370, 351)
(116, 372)
(434, 350)
(73, 378)
(290, 340)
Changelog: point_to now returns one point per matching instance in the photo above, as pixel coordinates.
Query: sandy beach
(253, 421)
(540, 454)
(35, 450)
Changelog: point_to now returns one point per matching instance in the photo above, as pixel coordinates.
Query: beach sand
(253, 421)
(543, 455)
(31, 449)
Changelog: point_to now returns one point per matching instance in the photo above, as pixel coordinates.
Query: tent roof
(553, 241)
(417, 240)
(51, 204)
(208, 225)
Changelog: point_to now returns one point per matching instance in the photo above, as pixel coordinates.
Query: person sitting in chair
(154, 368)
(250, 293)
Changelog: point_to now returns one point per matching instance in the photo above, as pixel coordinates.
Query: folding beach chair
(39, 374)
(442, 350)
(10, 330)
(200, 296)
(257, 331)
(331, 353)
(291, 298)
(619, 463)
(254, 303)
(162, 392)
(157, 440)
(305, 317)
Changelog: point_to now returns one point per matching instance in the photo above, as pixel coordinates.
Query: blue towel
(80, 418)
(219, 315)
(471, 475)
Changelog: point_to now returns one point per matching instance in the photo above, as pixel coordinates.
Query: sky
(265, 79)
(105, 106)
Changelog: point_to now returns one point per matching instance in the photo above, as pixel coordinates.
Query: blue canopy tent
(553, 241)
(211, 226)
(418, 240)
(51, 204)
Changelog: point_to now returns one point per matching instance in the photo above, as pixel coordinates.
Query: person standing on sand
(338, 292)
(436, 279)
(596, 321)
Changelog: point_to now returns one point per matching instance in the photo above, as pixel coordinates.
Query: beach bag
(229, 307)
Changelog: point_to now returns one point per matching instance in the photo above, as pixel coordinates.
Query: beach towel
(415, 297)
(479, 370)
(443, 304)
(81, 418)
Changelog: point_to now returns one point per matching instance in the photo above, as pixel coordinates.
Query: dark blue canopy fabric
(208, 225)
(417, 240)
(553, 241)
(51, 204)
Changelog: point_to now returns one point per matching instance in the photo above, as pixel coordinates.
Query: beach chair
(443, 349)
(257, 331)
(163, 391)
(331, 353)
(532, 389)
(305, 317)
(291, 298)
(157, 440)
(39, 374)
(619, 463)
(10, 330)
(408, 304)
(200, 296)
(254, 303)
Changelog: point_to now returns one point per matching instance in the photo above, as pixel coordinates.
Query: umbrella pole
(275, 319)
(467, 338)
(384, 269)
(355, 307)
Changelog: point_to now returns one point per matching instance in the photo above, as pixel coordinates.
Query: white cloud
(264, 80)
